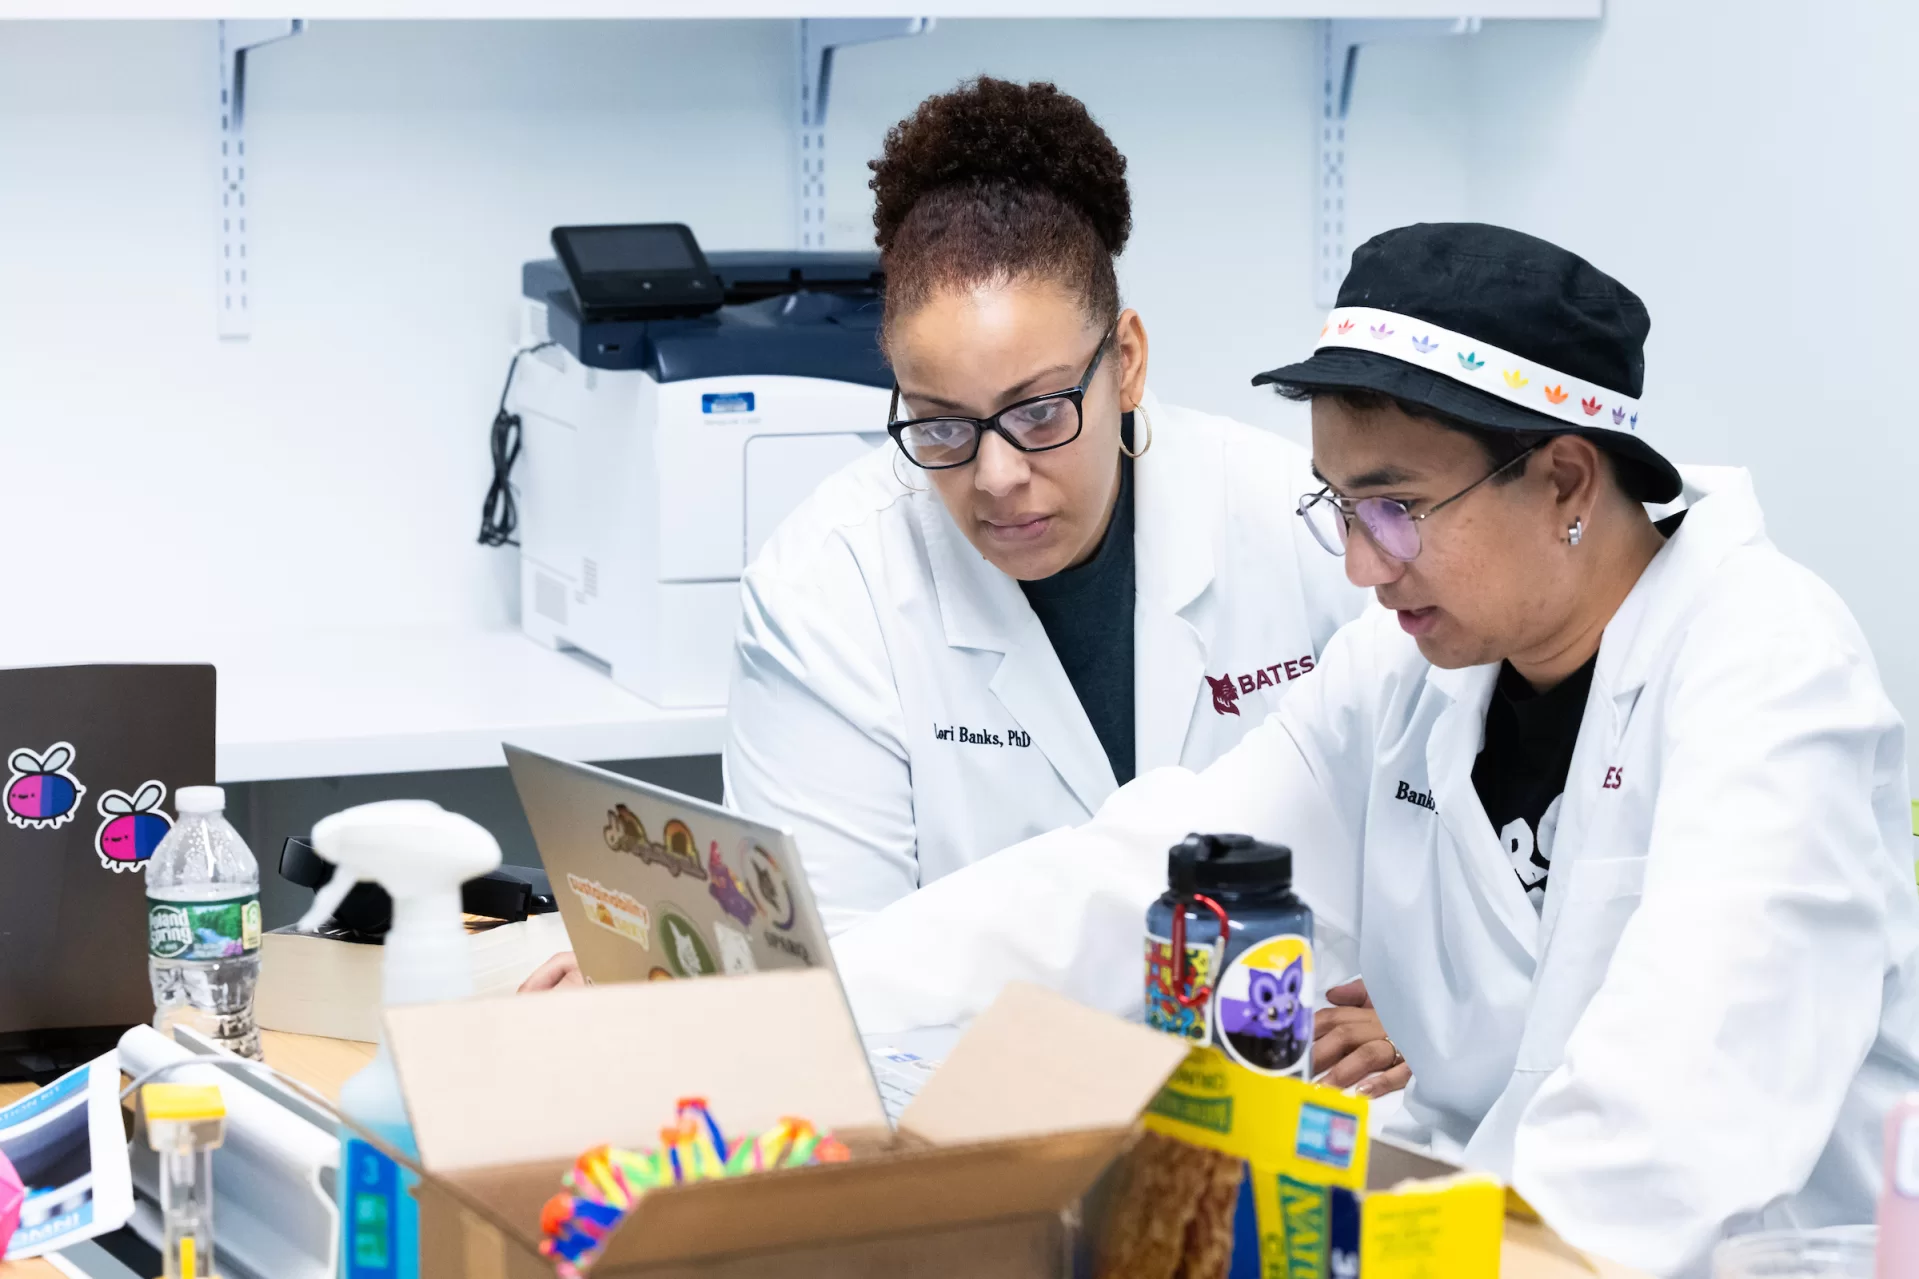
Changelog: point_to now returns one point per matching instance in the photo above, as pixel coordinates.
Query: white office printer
(660, 453)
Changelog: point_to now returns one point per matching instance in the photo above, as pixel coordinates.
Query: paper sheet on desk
(70, 1148)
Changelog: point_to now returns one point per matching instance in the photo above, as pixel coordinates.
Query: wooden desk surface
(324, 1064)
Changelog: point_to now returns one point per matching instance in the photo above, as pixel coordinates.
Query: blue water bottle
(1229, 954)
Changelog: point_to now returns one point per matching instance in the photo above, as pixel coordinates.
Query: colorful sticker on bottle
(197, 931)
(131, 827)
(1165, 1013)
(687, 953)
(767, 883)
(727, 888)
(1264, 1006)
(43, 793)
(613, 910)
(736, 950)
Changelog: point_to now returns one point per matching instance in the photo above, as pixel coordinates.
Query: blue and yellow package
(1293, 1158)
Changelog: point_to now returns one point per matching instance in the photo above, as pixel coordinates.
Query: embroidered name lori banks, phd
(1422, 798)
(980, 737)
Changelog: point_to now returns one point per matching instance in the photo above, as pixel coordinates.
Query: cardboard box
(1032, 1105)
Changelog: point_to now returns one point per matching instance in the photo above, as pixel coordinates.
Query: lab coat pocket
(1601, 895)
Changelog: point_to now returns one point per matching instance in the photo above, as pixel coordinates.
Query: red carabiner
(1182, 976)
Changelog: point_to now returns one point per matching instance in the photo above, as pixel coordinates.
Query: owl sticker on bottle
(43, 793)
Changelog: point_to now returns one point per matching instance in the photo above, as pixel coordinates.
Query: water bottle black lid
(1227, 863)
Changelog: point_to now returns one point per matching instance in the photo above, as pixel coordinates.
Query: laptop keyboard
(900, 1075)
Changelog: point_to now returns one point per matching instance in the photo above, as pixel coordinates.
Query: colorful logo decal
(1265, 1006)
(727, 889)
(687, 953)
(736, 950)
(132, 828)
(1225, 695)
(1163, 1012)
(1326, 1136)
(615, 911)
(767, 883)
(679, 853)
(43, 794)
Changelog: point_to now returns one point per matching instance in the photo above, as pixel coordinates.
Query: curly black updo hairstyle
(996, 182)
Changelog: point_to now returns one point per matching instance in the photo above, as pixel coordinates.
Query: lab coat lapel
(1454, 744)
(983, 608)
(1176, 528)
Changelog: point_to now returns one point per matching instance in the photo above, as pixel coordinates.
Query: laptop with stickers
(654, 885)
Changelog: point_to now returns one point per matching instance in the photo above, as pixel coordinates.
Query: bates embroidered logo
(1228, 689)
(1225, 695)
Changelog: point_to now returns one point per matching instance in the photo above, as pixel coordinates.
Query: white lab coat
(1703, 1030)
(897, 704)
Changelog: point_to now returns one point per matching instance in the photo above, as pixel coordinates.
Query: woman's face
(1492, 578)
(972, 352)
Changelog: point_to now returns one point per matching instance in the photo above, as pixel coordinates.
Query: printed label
(372, 1215)
(727, 402)
(1303, 1216)
(615, 911)
(1326, 1136)
(1163, 1011)
(1265, 1007)
(197, 931)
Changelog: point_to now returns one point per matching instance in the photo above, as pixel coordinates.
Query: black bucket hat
(1496, 329)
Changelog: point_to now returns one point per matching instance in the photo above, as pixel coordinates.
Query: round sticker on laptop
(687, 953)
(1264, 1006)
(767, 882)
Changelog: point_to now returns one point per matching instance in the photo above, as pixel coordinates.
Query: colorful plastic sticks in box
(605, 1182)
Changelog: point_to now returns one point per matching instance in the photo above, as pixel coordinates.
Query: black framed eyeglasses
(1390, 523)
(1032, 425)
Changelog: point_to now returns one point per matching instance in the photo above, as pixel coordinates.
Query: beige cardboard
(1036, 1062)
(510, 1080)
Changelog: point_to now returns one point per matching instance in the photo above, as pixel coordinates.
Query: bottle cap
(200, 799)
(1227, 863)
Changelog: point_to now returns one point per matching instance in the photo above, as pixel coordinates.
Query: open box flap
(525, 1078)
(1036, 1062)
(913, 1190)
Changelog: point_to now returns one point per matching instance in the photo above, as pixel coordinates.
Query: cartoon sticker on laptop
(767, 883)
(43, 793)
(687, 953)
(736, 950)
(678, 851)
(727, 888)
(613, 910)
(132, 827)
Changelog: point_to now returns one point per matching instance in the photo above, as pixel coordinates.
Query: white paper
(70, 1148)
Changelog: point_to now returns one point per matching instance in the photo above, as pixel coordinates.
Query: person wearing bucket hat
(1613, 795)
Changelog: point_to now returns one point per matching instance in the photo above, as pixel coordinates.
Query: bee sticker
(43, 793)
(132, 828)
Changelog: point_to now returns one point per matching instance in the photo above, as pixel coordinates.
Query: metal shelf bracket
(238, 37)
(1340, 40)
(818, 38)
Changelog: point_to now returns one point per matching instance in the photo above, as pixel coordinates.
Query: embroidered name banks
(1422, 798)
(980, 737)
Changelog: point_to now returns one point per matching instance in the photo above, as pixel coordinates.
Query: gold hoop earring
(1139, 412)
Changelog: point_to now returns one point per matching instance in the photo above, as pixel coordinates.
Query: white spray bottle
(421, 854)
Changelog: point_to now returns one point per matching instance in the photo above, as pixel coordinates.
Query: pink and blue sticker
(132, 828)
(43, 793)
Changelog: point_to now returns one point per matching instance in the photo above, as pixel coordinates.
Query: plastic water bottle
(203, 924)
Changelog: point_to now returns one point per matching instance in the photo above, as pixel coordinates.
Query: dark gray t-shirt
(1088, 615)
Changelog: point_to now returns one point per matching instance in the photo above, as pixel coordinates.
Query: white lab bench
(318, 703)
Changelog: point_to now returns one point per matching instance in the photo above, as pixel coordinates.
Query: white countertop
(335, 703)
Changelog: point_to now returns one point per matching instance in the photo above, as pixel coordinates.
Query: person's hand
(1350, 1048)
(561, 970)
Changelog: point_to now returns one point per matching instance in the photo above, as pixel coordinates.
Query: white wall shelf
(550, 9)
(344, 703)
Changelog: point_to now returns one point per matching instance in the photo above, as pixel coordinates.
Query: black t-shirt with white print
(1521, 770)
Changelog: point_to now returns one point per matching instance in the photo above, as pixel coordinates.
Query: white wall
(400, 173)
(1750, 178)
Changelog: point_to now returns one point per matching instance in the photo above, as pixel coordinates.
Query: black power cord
(500, 514)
